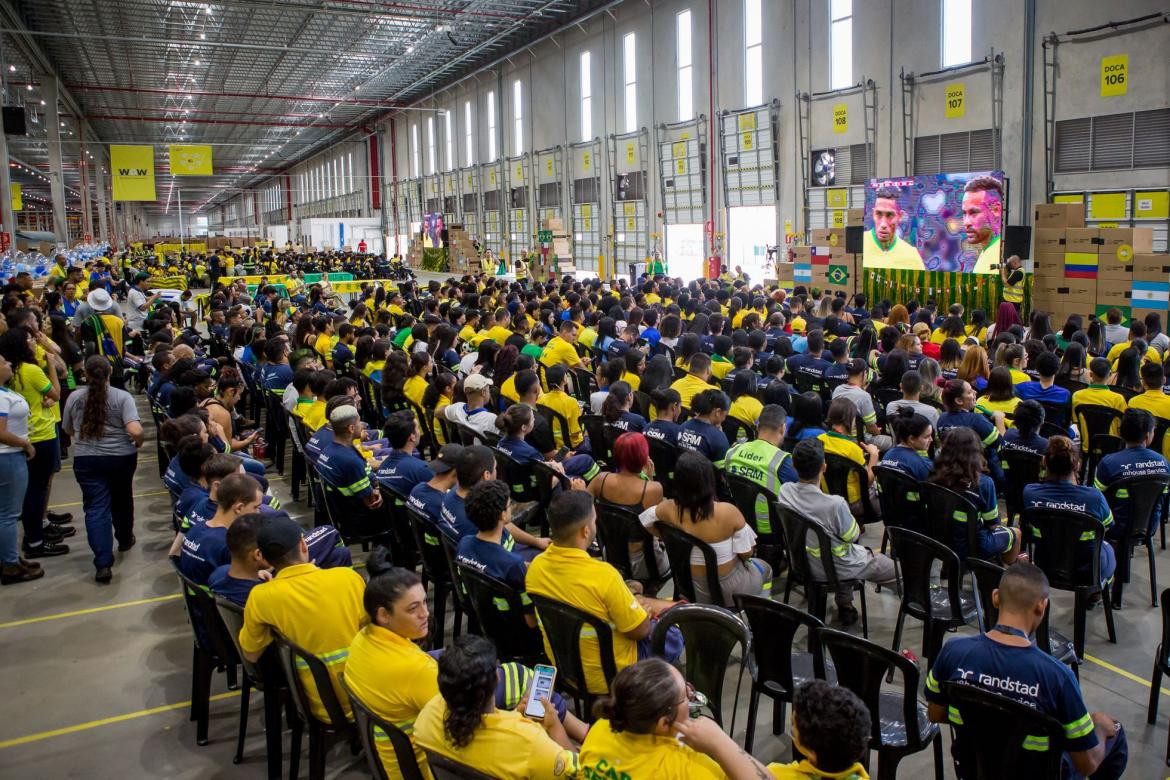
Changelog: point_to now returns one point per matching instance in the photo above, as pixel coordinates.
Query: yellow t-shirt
(633, 380)
(1156, 403)
(372, 367)
(313, 414)
(323, 346)
(292, 603)
(688, 387)
(506, 745)
(33, 384)
(587, 337)
(606, 753)
(467, 333)
(508, 389)
(1007, 407)
(1097, 395)
(653, 298)
(803, 770)
(1114, 353)
(436, 426)
(558, 352)
(594, 586)
(839, 444)
(499, 334)
(980, 334)
(414, 387)
(900, 255)
(560, 401)
(394, 678)
(1019, 376)
(720, 367)
(747, 409)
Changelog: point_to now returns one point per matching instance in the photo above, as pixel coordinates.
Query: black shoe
(103, 575)
(60, 518)
(10, 575)
(55, 533)
(128, 545)
(46, 549)
(847, 616)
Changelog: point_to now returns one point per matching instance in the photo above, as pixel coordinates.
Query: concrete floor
(97, 678)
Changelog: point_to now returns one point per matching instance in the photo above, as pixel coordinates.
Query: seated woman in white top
(719, 524)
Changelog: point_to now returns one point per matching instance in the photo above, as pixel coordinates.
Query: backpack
(103, 344)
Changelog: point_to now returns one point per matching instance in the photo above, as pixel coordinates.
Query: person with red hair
(1005, 318)
(632, 487)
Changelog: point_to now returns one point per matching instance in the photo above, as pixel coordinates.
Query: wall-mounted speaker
(1017, 240)
(14, 120)
(854, 240)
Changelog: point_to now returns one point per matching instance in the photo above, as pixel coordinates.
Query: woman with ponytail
(103, 423)
(913, 435)
(639, 725)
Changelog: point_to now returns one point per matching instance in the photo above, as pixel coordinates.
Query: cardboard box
(1069, 290)
(784, 272)
(1113, 292)
(1086, 240)
(828, 237)
(802, 254)
(1110, 267)
(1151, 267)
(855, 218)
(1047, 240)
(1058, 215)
(1048, 265)
(1139, 241)
(1140, 314)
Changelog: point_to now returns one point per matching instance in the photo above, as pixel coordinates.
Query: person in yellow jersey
(696, 381)
(500, 331)
(566, 572)
(463, 722)
(882, 247)
(467, 332)
(1154, 400)
(560, 350)
(567, 407)
(830, 728)
(1137, 331)
(983, 220)
(319, 610)
(312, 411)
(645, 730)
(1098, 393)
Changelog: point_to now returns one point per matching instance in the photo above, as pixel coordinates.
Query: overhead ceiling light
(12, 69)
(196, 62)
(28, 87)
(42, 102)
(202, 36)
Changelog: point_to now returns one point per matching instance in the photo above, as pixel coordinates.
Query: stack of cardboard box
(824, 263)
(1087, 270)
(461, 251)
(560, 253)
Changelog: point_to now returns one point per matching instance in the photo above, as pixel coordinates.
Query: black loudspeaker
(14, 121)
(443, 236)
(854, 240)
(1017, 240)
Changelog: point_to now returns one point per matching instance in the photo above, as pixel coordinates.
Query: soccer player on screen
(982, 218)
(883, 248)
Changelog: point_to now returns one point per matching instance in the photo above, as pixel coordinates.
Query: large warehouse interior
(584, 388)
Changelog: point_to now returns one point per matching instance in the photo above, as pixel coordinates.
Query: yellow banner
(190, 160)
(841, 118)
(17, 197)
(133, 172)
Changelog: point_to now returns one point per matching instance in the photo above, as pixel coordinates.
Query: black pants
(36, 499)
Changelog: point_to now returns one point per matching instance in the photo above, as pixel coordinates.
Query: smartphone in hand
(542, 688)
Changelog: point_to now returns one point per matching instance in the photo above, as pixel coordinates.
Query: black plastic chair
(558, 422)
(986, 576)
(617, 528)
(1020, 469)
(299, 434)
(665, 457)
(1141, 496)
(1161, 667)
(367, 722)
(679, 545)
(900, 497)
(837, 472)
(265, 677)
(713, 639)
(404, 552)
(1095, 422)
(599, 440)
(213, 650)
(747, 497)
(736, 430)
(991, 718)
(435, 571)
(951, 516)
(1056, 413)
(357, 523)
(883, 397)
(1058, 551)
(444, 768)
(797, 527)
(779, 667)
(458, 590)
(322, 731)
(499, 611)
(899, 723)
(276, 428)
(562, 624)
(940, 608)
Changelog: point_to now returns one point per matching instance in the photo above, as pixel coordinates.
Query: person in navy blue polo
(487, 509)
(234, 581)
(703, 432)
(204, 547)
(913, 434)
(401, 470)
(341, 466)
(1136, 460)
(476, 464)
(962, 412)
(427, 497)
(810, 366)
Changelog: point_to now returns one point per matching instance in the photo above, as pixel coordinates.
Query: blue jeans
(13, 482)
(107, 494)
(1112, 766)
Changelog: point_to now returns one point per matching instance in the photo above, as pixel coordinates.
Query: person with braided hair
(104, 425)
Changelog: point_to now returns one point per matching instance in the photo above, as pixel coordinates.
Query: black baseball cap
(279, 535)
(446, 459)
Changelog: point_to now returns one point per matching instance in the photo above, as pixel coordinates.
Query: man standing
(1005, 661)
(883, 248)
(1012, 275)
(982, 220)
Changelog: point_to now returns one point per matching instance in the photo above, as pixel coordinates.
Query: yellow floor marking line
(1122, 672)
(93, 724)
(90, 611)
